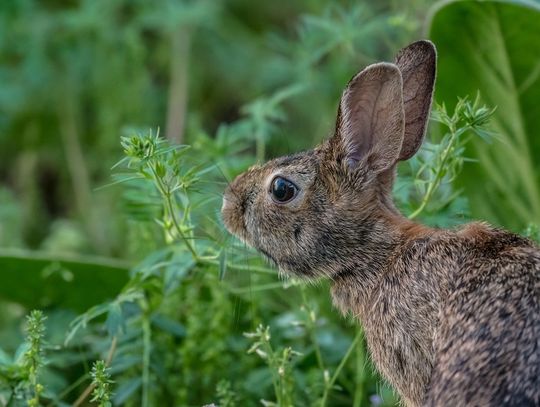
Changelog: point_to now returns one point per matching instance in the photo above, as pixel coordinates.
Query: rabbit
(451, 317)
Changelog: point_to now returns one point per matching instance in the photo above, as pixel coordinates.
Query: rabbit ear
(371, 119)
(417, 65)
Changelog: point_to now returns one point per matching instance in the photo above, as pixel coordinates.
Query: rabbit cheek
(273, 237)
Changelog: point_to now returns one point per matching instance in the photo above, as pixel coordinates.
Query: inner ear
(371, 118)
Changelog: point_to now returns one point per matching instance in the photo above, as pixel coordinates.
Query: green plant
(280, 364)
(533, 232)
(227, 397)
(504, 187)
(101, 380)
(438, 164)
(20, 377)
(33, 357)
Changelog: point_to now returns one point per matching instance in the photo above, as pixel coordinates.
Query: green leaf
(169, 325)
(181, 263)
(222, 264)
(115, 321)
(38, 280)
(494, 47)
(126, 390)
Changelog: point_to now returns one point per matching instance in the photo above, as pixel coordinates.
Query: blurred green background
(240, 81)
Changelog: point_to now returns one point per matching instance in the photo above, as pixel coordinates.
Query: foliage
(47, 280)
(533, 232)
(437, 165)
(32, 359)
(101, 381)
(279, 364)
(225, 395)
(19, 377)
(233, 84)
(490, 57)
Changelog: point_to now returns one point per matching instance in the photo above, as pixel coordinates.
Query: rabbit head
(311, 212)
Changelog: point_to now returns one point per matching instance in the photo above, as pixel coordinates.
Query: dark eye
(283, 190)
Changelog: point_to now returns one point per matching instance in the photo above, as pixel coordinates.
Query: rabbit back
(453, 318)
(487, 347)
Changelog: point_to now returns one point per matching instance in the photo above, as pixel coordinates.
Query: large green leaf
(494, 47)
(38, 280)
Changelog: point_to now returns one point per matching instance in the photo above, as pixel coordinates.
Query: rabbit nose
(226, 204)
(230, 200)
(233, 195)
(231, 212)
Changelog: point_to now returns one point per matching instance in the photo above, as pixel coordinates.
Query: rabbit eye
(283, 190)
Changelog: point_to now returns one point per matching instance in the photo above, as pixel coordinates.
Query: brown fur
(450, 317)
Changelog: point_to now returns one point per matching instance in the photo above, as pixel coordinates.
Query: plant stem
(332, 381)
(178, 229)
(251, 289)
(147, 343)
(78, 170)
(360, 374)
(311, 329)
(178, 89)
(239, 267)
(165, 193)
(90, 388)
(432, 187)
(56, 400)
(273, 370)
